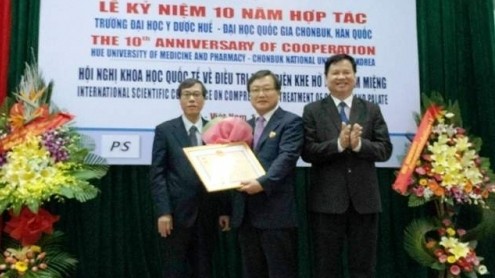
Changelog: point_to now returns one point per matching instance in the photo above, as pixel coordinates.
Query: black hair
(337, 58)
(262, 73)
(188, 83)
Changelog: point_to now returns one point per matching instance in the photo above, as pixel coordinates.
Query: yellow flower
(423, 182)
(449, 242)
(460, 250)
(35, 248)
(462, 144)
(451, 259)
(21, 266)
(451, 232)
(31, 176)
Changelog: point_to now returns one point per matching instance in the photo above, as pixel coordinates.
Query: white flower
(482, 269)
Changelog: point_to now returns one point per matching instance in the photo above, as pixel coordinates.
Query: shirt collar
(268, 114)
(188, 124)
(348, 101)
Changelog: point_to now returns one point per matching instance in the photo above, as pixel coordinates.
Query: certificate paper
(224, 166)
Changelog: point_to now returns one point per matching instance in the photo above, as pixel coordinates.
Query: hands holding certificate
(250, 187)
(226, 162)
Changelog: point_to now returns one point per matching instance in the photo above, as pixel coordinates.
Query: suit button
(349, 170)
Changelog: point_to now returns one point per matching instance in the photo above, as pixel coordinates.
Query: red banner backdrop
(5, 22)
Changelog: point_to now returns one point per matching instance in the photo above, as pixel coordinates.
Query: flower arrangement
(443, 167)
(459, 256)
(42, 158)
(449, 168)
(34, 249)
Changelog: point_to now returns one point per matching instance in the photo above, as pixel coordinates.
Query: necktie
(343, 116)
(192, 135)
(258, 130)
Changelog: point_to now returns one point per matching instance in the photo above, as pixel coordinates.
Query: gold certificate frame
(224, 166)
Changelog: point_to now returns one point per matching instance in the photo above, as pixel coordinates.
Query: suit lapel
(180, 133)
(329, 108)
(358, 111)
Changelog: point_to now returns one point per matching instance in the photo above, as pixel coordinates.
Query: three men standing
(342, 136)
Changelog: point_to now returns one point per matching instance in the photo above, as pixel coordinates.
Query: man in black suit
(187, 214)
(265, 208)
(344, 137)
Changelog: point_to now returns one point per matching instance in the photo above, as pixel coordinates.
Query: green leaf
(471, 274)
(67, 192)
(88, 172)
(34, 206)
(437, 266)
(88, 193)
(16, 208)
(87, 141)
(415, 201)
(4, 204)
(414, 241)
(94, 159)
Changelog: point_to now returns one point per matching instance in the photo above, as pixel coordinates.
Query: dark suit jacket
(341, 179)
(278, 150)
(176, 189)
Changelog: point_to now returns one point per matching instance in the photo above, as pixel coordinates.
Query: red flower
(28, 226)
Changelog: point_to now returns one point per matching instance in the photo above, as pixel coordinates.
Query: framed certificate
(224, 166)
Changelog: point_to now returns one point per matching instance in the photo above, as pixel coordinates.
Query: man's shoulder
(288, 114)
(315, 104)
(169, 123)
(366, 103)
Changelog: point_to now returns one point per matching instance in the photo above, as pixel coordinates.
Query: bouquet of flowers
(443, 166)
(42, 158)
(227, 130)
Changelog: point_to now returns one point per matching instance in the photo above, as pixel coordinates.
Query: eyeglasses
(257, 91)
(195, 95)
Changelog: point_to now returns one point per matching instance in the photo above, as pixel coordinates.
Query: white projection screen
(116, 64)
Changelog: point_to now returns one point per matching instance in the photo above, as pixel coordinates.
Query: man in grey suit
(187, 214)
(265, 208)
(344, 137)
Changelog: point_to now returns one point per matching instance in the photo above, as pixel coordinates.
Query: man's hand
(224, 223)
(355, 135)
(344, 136)
(165, 225)
(250, 187)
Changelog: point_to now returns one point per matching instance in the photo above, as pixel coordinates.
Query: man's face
(192, 102)
(341, 79)
(264, 96)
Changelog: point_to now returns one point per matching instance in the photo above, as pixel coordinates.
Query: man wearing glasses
(187, 214)
(264, 209)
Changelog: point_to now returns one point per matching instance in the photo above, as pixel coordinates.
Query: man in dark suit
(265, 208)
(344, 137)
(186, 212)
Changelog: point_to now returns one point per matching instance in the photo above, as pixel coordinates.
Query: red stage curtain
(5, 22)
(4, 55)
